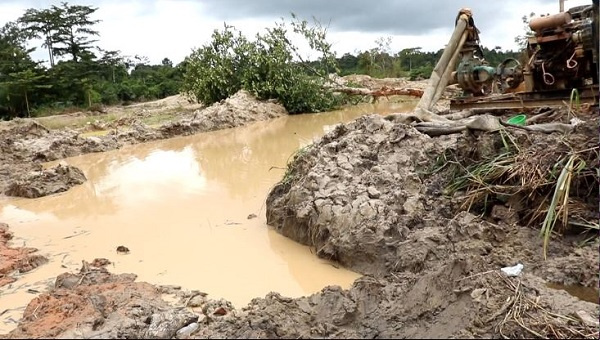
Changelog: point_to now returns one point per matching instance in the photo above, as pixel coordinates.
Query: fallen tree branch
(546, 114)
(382, 92)
(435, 130)
(473, 112)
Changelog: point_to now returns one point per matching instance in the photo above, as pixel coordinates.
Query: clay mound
(357, 194)
(374, 196)
(12, 260)
(46, 182)
(237, 110)
(96, 304)
(444, 303)
(23, 129)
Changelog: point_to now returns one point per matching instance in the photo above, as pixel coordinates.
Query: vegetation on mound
(551, 183)
(515, 311)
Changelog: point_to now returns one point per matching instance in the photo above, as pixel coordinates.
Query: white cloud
(171, 28)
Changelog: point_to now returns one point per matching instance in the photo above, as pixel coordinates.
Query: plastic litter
(576, 121)
(513, 271)
(187, 330)
(518, 120)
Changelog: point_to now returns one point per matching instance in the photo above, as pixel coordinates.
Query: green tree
(24, 82)
(214, 71)
(65, 30)
(381, 55)
(366, 62)
(74, 30)
(42, 24)
(348, 64)
(408, 55)
(113, 65)
(271, 67)
(14, 63)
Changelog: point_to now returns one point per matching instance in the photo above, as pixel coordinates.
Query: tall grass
(549, 189)
(560, 199)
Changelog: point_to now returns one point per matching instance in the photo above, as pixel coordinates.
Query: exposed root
(382, 92)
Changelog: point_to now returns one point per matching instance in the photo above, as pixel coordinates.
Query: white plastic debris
(186, 331)
(513, 271)
(576, 121)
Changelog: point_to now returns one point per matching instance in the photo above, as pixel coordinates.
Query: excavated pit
(372, 196)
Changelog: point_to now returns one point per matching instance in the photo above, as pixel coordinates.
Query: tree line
(80, 74)
(413, 63)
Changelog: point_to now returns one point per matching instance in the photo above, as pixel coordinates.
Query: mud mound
(46, 182)
(12, 260)
(357, 193)
(237, 110)
(441, 304)
(365, 196)
(97, 304)
(372, 195)
(23, 129)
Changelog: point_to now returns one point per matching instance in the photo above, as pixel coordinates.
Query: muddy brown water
(182, 207)
(589, 294)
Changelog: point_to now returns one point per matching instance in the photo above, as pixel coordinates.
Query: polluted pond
(185, 210)
(400, 234)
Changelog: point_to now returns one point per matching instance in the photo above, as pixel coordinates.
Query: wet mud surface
(16, 259)
(371, 196)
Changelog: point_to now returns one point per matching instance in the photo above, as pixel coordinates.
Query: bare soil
(15, 260)
(26, 143)
(370, 195)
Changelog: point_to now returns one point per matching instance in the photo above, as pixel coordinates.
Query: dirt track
(365, 196)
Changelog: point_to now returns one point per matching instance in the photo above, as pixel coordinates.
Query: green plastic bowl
(518, 120)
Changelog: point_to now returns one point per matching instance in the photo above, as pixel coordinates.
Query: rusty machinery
(562, 55)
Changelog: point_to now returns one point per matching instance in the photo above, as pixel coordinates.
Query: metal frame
(521, 100)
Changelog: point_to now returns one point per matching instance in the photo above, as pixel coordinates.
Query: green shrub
(270, 67)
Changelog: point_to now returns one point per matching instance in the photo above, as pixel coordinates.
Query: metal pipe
(562, 5)
(550, 21)
(456, 41)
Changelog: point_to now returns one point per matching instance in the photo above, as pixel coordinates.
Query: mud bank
(372, 195)
(15, 260)
(27, 144)
(365, 192)
(446, 302)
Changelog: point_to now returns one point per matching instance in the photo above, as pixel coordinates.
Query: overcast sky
(172, 28)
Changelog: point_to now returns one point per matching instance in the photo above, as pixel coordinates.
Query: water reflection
(150, 177)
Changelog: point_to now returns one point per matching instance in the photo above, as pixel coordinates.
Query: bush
(269, 67)
(421, 72)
